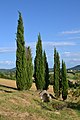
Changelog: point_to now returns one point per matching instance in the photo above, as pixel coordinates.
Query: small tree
(39, 66)
(64, 82)
(29, 67)
(56, 73)
(21, 73)
(46, 71)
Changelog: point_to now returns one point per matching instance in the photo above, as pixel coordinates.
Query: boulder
(45, 96)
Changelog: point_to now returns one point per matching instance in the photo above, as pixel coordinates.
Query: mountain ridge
(8, 70)
(77, 67)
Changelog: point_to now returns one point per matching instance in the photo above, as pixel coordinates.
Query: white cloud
(7, 62)
(33, 44)
(59, 43)
(74, 38)
(72, 54)
(70, 32)
(76, 60)
(6, 49)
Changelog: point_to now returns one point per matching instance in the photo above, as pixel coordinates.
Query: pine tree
(29, 67)
(21, 73)
(56, 73)
(39, 66)
(46, 72)
(64, 82)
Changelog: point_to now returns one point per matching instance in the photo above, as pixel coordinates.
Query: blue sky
(58, 22)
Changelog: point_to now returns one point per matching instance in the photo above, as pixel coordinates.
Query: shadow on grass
(47, 106)
(7, 91)
(75, 106)
(43, 105)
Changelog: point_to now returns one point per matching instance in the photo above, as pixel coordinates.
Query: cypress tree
(21, 73)
(64, 82)
(39, 66)
(46, 72)
(56, 73)
(29, 67)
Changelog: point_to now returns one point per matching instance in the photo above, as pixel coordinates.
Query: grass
(75, 76)
(26, 105)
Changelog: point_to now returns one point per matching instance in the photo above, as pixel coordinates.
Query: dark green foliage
(29, 67)
(46, 72)
(51, 79)
(21, 73)
(39, 66)
(8, 75)
(56, 73)
(64, 82)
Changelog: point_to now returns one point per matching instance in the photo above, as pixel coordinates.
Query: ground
(27, 105)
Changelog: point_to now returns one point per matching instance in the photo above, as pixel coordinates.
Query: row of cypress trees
(24, 66)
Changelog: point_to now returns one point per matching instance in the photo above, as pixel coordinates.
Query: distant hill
(7, 70)
(50, 69)
(8, 73)
(77, 68)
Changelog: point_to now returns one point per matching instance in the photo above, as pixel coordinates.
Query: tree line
(25, 71)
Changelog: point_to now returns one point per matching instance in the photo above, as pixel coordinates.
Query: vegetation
(56, 73)
(46, 72)
(29, 68)
(51, 78)
(19, 105)
(8, 75)
(39, 66)
(21, 62)
(64, 82)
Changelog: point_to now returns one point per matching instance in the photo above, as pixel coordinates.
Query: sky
(58, 22)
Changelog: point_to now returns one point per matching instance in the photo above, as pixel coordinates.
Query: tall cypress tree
(29, 67)
(64, 82)
(46, 71)
(39, 66)
(56, 73)
(21, 73)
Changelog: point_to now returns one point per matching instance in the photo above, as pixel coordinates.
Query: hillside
(50, 69)
(7, 70)
(8, 73)
(75, 68)
(27, 105)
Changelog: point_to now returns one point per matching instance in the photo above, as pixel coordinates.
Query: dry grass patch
(26, 105)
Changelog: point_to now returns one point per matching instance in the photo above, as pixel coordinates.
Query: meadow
(27, 105)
